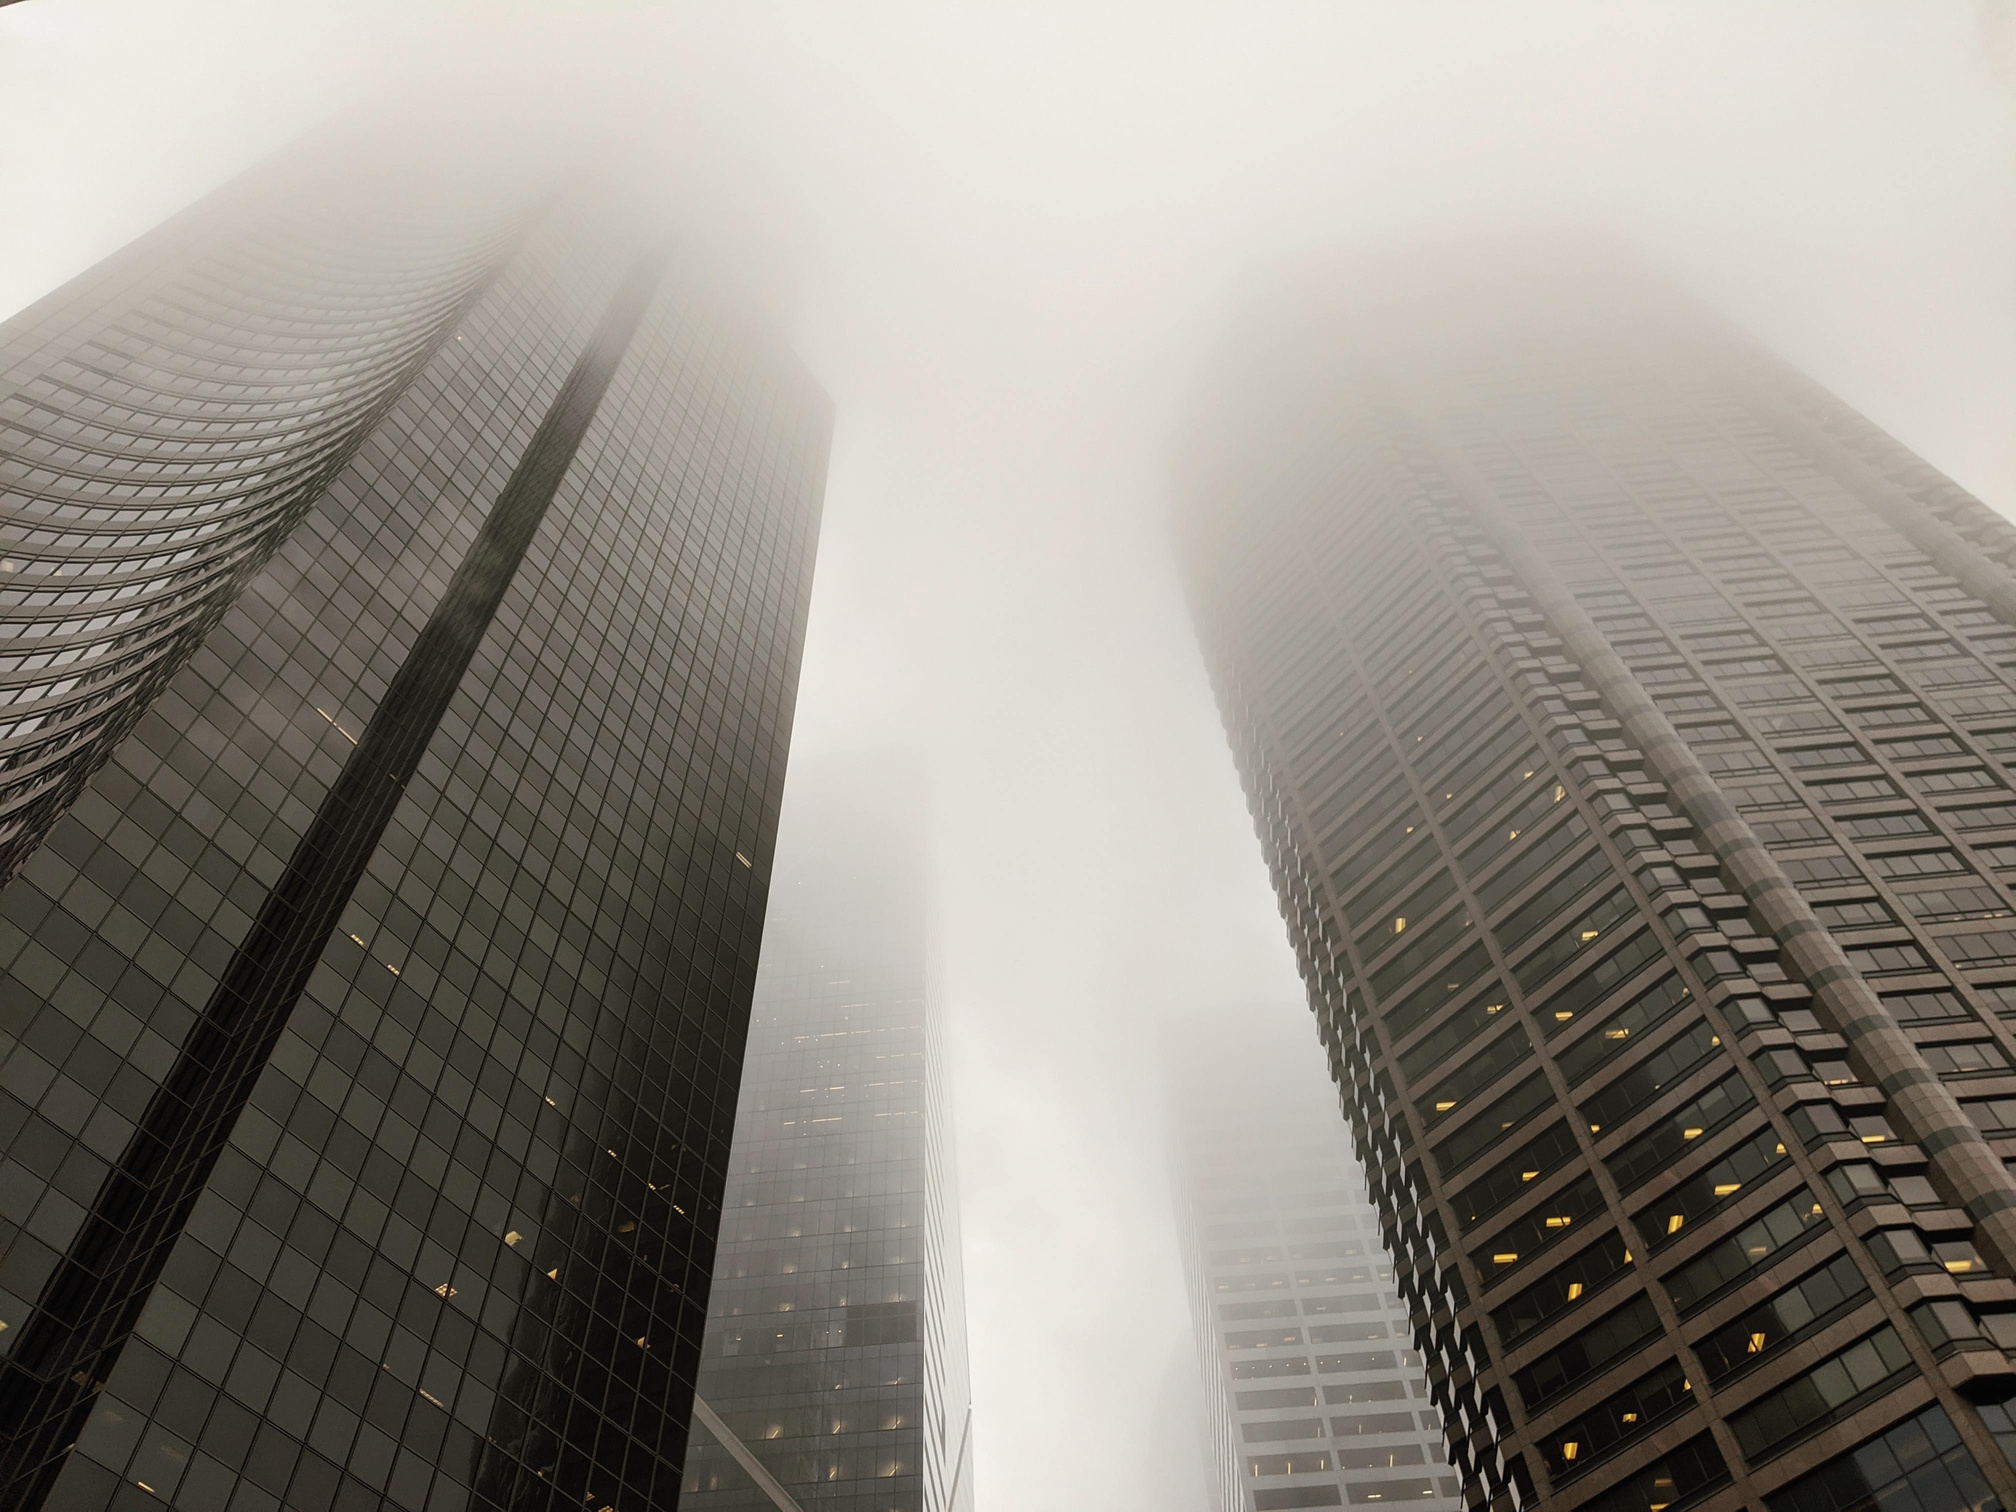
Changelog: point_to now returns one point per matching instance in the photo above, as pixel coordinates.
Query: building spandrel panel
(1622, 720)
(836, 1336)
(373, 1012)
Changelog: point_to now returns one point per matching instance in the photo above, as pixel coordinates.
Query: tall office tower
(1314, 1395)
(407, 575)
(836, 1338)
(1627, 726)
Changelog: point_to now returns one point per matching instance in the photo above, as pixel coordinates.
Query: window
(1291, 1396)
(1655, 1149)
(1858, 914)
(1739, 1171)
(1621, 1417)
(1296, 1496)
(1884, 826)
(1821, 870)
(1683, 1475)
(1593, 925)
(1727, 1260)
(1640, 1083)
(1883, 960)
(1267, 1433)
(1511, 1110)
(1934, 1006)
(1921, 745)
(1818, 1396)
(1588, 1351)
(1965, 1058)
(1526, 1237)
(1464, 1027)
(1648, 1009)
(1940, 905)
(1544, 1153)
(1562, 1288)
(1306, 1463)
(1819, 1295)
(1917, 1466)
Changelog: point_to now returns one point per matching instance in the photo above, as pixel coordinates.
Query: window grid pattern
(1315, 1395)
(836, 1330)
(1723, 1103)
(154, 450)
(417, 1271)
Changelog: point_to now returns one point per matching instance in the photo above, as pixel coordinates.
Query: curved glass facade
(160, 435)
(372, 1013)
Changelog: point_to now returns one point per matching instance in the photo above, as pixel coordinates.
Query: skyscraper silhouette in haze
(1314, 1394)
(1627, 725)
(836, 1340)
(405, 576)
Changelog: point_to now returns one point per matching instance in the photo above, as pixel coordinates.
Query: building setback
(1314, 1397)
(836, 1337)
(406, 574)
(1627, 726)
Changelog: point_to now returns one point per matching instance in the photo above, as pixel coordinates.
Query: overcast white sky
(1007, 234)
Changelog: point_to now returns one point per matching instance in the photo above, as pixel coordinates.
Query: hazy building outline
(1313, 1394)
(1535, 598)
(836, 1337)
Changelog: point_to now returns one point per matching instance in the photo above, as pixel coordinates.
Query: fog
(1007, 241)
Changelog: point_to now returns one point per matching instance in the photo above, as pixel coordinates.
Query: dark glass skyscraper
(836, 1341)
(406, 570)
(1314, 1394)
(1627, 725)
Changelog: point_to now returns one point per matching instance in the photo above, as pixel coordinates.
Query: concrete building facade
(1627, 724)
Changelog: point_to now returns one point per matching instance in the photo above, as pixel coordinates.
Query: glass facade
(1628, 728)
(168, 419)
(1314, 1394)
(836, 1337)
(372, 1012)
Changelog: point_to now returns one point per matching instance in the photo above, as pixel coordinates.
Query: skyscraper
(1627, 724)
(1314, 1395)
(836, 1338)
(407, 570)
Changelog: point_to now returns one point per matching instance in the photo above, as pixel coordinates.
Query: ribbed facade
(836, 1338)
(168, 420)
(1314, 1395)
(1627, 726)
(372, 1014)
